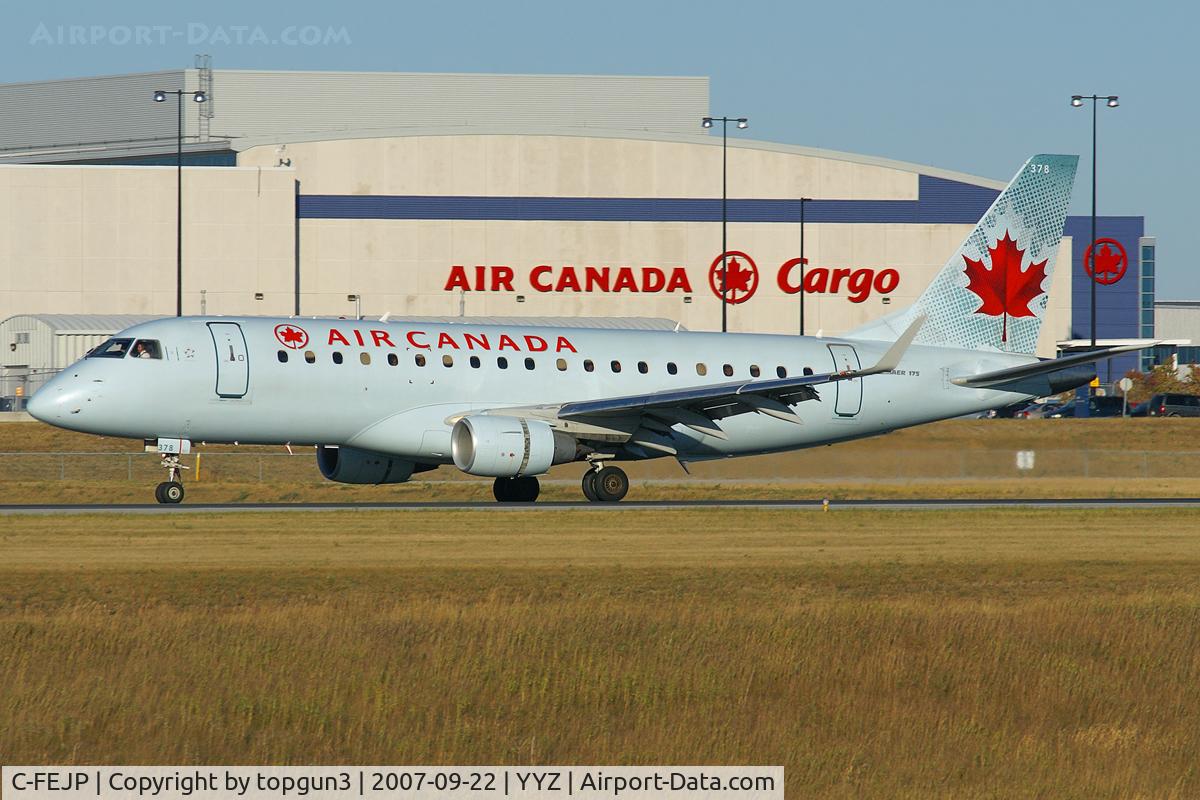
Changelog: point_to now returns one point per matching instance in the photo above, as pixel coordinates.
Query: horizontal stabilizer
(1004, 378)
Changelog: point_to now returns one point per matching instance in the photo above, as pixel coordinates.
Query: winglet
(891, 359)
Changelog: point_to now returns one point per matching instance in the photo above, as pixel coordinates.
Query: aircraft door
(849, 393)
(233, 362)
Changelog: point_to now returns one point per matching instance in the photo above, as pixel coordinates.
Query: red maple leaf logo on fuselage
(1005, 289)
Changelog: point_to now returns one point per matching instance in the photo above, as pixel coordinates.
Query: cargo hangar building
(334, 193)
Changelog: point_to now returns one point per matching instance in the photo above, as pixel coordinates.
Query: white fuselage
(397, 387)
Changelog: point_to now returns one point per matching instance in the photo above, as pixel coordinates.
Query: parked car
(1107, 406)
(1168, 405)
(1015, 410)
(1041, 410)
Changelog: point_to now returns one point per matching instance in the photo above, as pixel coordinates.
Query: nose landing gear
(170, 491)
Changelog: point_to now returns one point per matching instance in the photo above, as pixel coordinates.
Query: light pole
(1076, 102)
(160, 96)
(707, 122)
(803, 200)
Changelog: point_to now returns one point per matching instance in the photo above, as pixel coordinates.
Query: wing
(641, 418)
(770, 396)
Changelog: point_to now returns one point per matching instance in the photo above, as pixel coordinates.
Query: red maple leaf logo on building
(1109, 260)
(1005, 289)
(740, 278)
(737, 277)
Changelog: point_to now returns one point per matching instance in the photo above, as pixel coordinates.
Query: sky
(974, 87)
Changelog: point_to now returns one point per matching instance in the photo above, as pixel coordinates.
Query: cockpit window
(113, 348)
(146, 348)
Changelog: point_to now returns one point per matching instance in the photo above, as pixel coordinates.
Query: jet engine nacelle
(505, 447)
(351, 465)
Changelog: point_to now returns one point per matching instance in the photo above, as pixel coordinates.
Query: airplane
(385, 400)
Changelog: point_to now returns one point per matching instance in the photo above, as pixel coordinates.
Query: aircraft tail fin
(992, 293)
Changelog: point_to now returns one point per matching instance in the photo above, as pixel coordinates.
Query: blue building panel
(600, 209)
(945, 201)
(216, 158)
(1118, 305)
(939, 201)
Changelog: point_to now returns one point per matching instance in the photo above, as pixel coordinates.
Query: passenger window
(364, 358)
(781, 372)
(808, 371)
(393, 359)
(561, 364)
(701, 369)
(310, 356)
(728, 370)
(671, 368)
(419, 359)
(337, 358)
(643, 367)
(588, 366)
(616, 366)
(282, 356)
(529, 363)
(113, 348)
(147, 348)
(447, 360)
(502, 362)
(475, 362)
(755, 371)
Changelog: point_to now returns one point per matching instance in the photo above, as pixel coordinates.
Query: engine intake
(505, 447)
(351, 465)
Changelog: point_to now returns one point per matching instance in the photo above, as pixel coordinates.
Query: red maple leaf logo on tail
(1005, 289)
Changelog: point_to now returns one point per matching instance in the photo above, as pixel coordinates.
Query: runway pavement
(929, 504)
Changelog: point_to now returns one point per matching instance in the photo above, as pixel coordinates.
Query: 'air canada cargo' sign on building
(740, 279)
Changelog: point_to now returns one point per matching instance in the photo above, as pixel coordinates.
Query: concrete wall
(575, 166)
(1178, 320)
(72, 116)
(101, 240)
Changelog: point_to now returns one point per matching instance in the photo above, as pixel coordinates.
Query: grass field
(1012, 653)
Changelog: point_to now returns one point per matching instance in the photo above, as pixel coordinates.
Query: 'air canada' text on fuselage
(463, 341)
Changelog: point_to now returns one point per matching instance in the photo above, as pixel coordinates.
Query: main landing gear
(600, 485)
(516, 490)
(170, 491)
(605, 484)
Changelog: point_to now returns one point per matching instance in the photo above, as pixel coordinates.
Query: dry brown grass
(1013, 653)
(97, 492)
